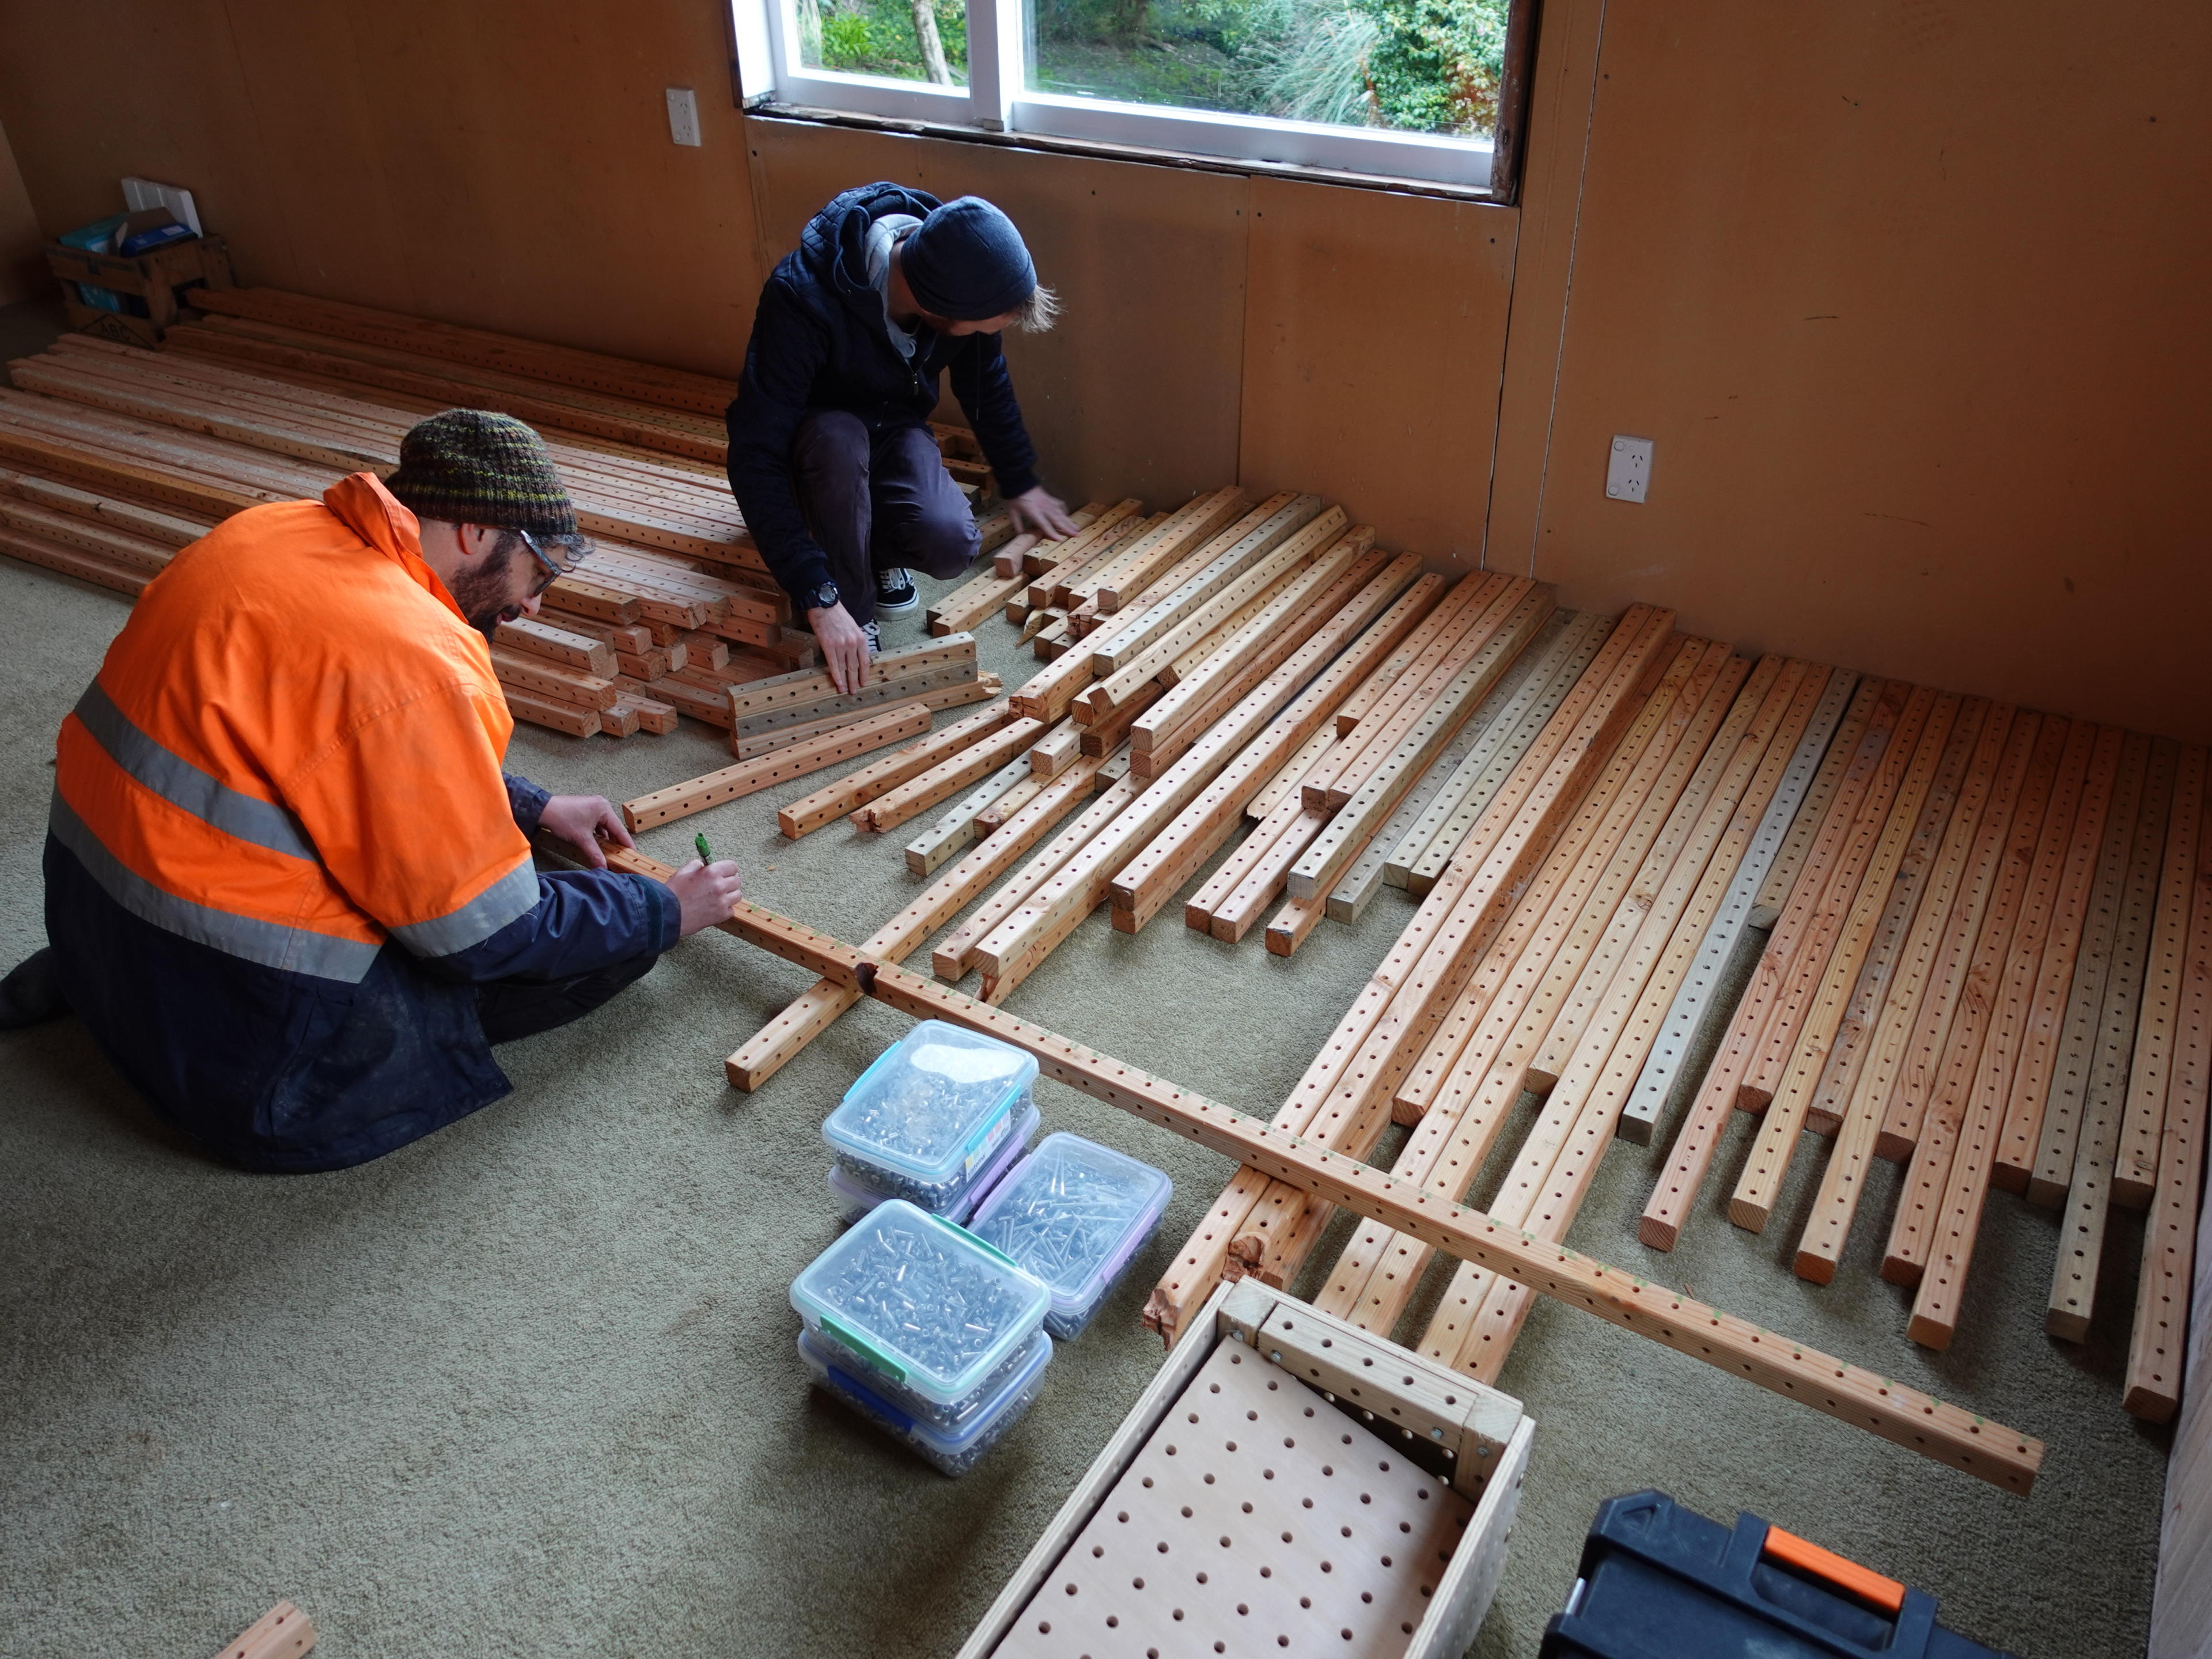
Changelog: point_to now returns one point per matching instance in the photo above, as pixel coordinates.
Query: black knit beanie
(473, 466)
(967, 262)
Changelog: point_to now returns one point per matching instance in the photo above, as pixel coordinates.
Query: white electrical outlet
(683, 116)
(1628, 469)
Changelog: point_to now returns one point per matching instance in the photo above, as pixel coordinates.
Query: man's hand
(1037, 513)
(707, 893)
(844, 646)
(581, 820)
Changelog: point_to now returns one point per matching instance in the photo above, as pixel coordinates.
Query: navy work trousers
(878, 500)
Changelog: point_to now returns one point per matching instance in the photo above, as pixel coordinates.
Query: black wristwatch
(824, 596)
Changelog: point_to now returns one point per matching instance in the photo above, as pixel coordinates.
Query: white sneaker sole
(885, 608)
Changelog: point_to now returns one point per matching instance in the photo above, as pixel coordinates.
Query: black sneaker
(874, 631)
(895, 592)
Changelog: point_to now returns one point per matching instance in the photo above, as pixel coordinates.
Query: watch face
(825, 596)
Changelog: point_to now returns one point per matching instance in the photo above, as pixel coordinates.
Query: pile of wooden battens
(1292, 628)
(675, 591)
(1991, 960)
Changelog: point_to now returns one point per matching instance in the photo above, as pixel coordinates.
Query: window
(1423, 90)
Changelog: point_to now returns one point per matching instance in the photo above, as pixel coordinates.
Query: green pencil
(706, 853)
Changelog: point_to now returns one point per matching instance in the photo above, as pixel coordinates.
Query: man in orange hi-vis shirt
(288, 886)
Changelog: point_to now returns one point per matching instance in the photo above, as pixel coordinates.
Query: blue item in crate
(1071, 1215)
(932, 1319)
(953, 1452)
(98, 237)
(1661, 1582)
(930, 1113)
(859, 1200)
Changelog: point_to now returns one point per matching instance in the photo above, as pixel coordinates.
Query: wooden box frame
(1486, 1432)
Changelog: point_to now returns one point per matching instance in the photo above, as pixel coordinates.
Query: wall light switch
(683, 115)
(1628, 469)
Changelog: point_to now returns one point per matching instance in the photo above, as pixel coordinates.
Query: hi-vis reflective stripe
(292, 949)
(513, 894)
(181, 783)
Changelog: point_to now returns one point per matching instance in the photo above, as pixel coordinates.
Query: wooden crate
(153, 277)
(1464, 1435)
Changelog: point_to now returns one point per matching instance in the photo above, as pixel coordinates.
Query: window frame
(770, 80)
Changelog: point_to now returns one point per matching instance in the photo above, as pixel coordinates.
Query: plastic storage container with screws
(928, 1116)
(859, 1200)
(1071, 1215)
(953, 1452)
(924, 1315)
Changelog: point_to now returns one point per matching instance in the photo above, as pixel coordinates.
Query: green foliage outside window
(1414, 65)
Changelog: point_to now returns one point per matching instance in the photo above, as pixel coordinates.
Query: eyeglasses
(553, 572)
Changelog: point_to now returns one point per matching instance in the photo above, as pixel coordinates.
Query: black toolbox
(1661, 1582)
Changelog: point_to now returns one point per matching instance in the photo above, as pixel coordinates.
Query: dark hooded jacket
(818, 343)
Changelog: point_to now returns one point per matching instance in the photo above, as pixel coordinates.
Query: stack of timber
(1991, 961)
(112, 458)
(1990, 956)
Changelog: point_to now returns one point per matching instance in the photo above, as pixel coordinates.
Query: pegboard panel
(1257, 1520)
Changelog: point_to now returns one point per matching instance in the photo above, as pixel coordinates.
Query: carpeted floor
(528, 1387)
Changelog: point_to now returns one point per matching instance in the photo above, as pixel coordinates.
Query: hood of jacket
(834, 246)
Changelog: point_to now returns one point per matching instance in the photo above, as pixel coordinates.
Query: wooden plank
(1249, 642)
(168, 529)
(2155, 1346)
(1863, 736)
(1555, 665)
(1354, 584)
(92, 568)
(1147, 882)
(1378, 795)
(958, 827)
(1479, 1316)
(557, 645)
(879, 692)
(2022, 1127)
(652, 716)
(728, 784)
(956, 955)
(1350, 1083)
(54, 458)
(1797, 843)
(960, 770)
(839, 800)
(815, 1009)
(2074, 1059)
(1423, 649)
(1188, 531)
(551, 682)
(1199, 908)
(1863, 1078)
(282, 1632)
(1809, 1044)
(1235, 915)
(1948, 1234)
(1363, 878)
(574, 718)
(2134, 1165)
(87, 535)
(1114, 647)
(1927, 1098)
(1565, 942)
(2088, 1201)
(809, 687)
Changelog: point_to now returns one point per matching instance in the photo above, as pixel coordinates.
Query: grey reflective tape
(290, 950)
(512, 895)
(181, 783)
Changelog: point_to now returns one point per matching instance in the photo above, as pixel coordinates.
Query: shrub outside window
(1406, 89)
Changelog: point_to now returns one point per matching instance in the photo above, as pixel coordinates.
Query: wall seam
(1566, 296)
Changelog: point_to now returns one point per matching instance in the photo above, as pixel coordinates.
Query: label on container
(993, 1134)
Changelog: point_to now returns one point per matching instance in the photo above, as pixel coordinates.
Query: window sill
(798, 114)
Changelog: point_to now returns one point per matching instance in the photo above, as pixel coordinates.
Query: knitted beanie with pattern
(473, 466)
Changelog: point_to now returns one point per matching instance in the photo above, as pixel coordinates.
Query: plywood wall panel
(1373, 337)
(1135, 392)
(1909, 301)
(505, 164)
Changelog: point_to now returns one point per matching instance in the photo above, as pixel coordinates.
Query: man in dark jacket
(831, 458)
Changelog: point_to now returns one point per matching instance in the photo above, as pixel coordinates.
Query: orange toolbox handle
(1861, 1582)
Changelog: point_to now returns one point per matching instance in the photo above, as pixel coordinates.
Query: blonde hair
(1037, 313)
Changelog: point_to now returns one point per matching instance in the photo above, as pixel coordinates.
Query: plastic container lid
(933, 1106)
(1071, 1215)
(954, 1451)
(859, 1198)
(932, 1308)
